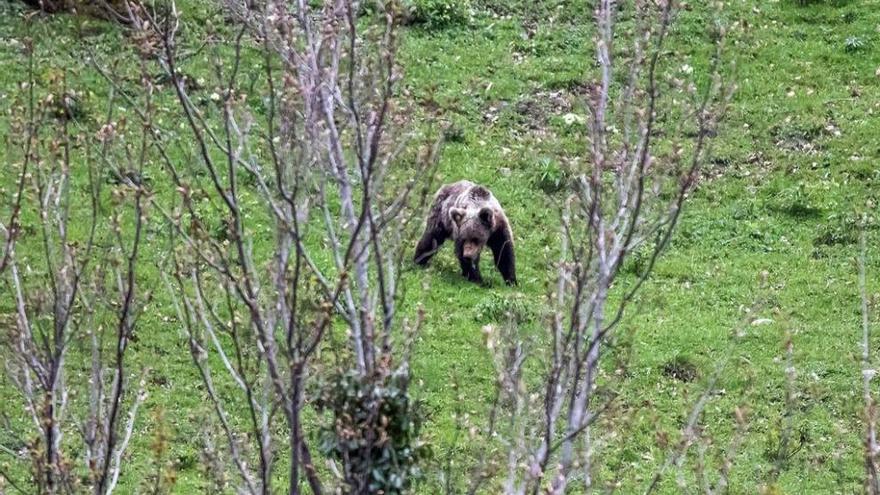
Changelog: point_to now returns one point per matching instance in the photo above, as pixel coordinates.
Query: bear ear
(487, 216)
(480, 192)
(457, 215)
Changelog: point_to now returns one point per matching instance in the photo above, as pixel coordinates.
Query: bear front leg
(470, 269)
(428, 246)
(433, 237)
(435, 233)
(501, 243)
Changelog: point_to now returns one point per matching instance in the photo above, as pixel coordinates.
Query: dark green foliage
(107, 9)
(841, 230)
(454, 134)
(438, 14)
(126, 177)
(69, 106)
(374, 431)
(796, 133)
(796, 203)
(849, 17)
(636, 262)
(833, 3)
(681, 368)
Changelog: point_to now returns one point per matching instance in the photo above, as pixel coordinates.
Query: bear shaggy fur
(473, 218)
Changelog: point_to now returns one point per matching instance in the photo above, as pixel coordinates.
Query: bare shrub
(316, 155)
(649, 132)
(70, 267)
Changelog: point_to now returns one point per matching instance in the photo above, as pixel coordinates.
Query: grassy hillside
(775, 220)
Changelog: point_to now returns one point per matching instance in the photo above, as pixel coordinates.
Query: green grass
(793, 169)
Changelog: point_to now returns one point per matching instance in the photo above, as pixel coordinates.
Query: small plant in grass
(498, 308)
(549, 176)
(164, 475)
(800, 130)
(797, 203)
(842, 230)
(681, 368)
(853, 44)
(638, 261)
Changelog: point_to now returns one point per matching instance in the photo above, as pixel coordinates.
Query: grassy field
(793, 170)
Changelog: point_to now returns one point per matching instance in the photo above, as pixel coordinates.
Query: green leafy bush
(374, 431)
(438, 14)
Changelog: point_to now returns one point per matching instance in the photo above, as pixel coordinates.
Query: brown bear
(473, 218)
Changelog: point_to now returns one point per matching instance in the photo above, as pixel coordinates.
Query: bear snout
(471, 252)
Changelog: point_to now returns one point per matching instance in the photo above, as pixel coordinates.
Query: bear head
(471, 230)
